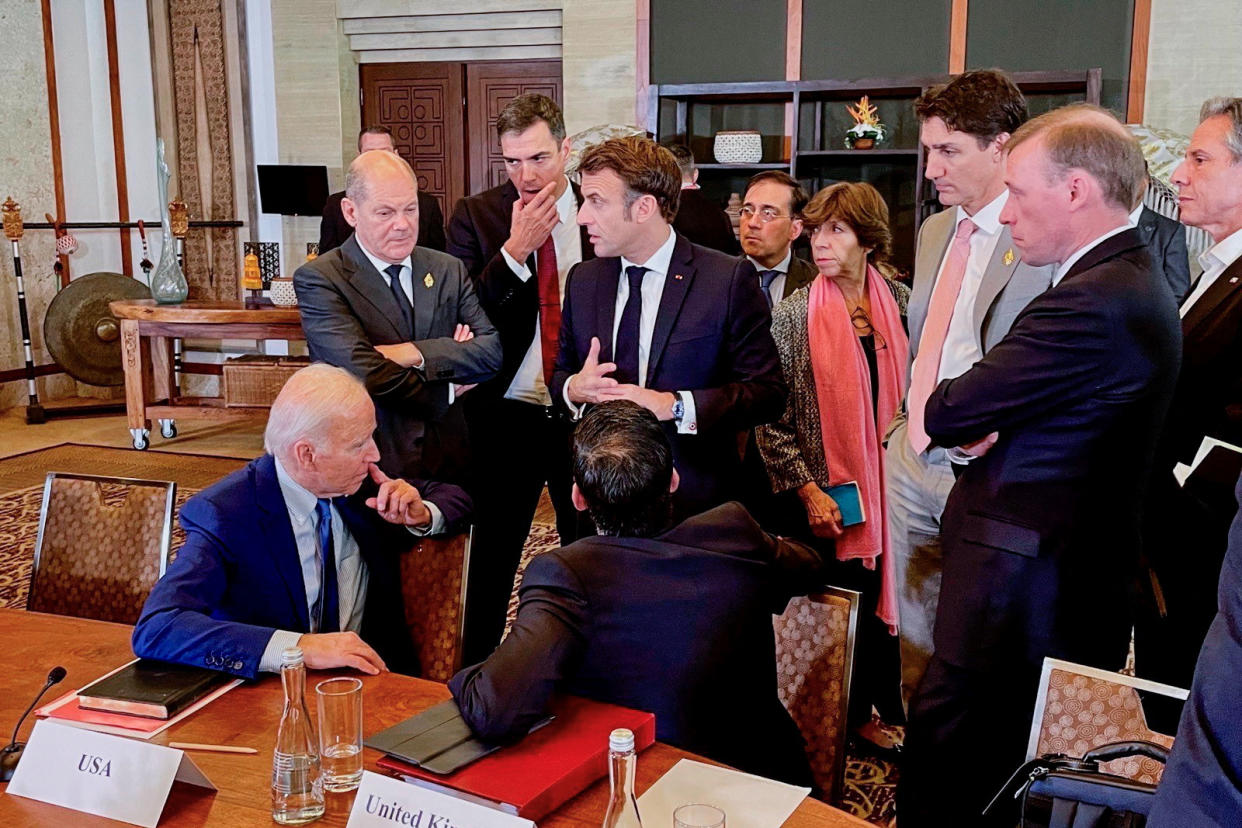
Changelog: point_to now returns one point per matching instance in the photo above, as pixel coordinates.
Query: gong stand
(10, 212)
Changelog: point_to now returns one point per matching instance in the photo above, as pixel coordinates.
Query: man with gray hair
(403, 319)
(1187, 527)
(300, 548)
(1041, 529)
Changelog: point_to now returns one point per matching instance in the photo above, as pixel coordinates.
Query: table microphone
(11, 754)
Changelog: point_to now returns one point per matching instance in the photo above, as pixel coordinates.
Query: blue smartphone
(849, 500)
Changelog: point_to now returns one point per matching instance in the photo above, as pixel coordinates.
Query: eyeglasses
(863, 327)
(767, 214)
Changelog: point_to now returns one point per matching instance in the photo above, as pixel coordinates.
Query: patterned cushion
(813, 659)
(543, 537)
(100, 548)
(432, 581)
(1082, 713)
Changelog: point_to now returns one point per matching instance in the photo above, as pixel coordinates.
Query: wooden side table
(147, 334)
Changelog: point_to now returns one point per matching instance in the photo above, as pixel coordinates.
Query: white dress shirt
(1064, 267)
(529, 384)
(351, 569)
(777, 288)
(652, 289)
(1215, 261)
(962, 347)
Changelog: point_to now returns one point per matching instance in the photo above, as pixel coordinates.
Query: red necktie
(935, 331)
(549, 304)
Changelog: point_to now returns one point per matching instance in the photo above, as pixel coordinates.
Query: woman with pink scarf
(845, 353)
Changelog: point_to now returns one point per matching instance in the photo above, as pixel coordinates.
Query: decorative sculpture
(168, 284)
(867, 130)
(12, 218)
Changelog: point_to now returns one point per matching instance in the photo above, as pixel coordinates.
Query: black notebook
(154, 689)
(438, 739)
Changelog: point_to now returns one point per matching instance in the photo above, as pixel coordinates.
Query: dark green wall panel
(874, 38)
(709, 41)
(1019, 35)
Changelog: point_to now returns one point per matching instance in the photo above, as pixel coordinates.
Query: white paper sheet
(747, 801)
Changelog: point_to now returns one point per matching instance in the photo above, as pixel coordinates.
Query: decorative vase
(168, 285)
(282, 293)
(738, 147)
(864, 143)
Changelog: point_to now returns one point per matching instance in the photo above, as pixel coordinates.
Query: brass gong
(82, 334)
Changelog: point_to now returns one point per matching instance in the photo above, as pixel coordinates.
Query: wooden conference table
(34, 643)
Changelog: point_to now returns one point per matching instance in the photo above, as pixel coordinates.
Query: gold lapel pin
(1007, 260)
(428, 281)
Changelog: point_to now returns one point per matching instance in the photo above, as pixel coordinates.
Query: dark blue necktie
(328, 606)
(766, 277)
(625, 354)
(403, 301)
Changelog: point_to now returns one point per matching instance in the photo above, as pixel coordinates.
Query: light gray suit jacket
(347, 308)
(1008, 286)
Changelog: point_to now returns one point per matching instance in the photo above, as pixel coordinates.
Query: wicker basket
(254, 380)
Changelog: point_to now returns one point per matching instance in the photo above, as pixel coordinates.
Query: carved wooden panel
(489, 86)
(422, 104)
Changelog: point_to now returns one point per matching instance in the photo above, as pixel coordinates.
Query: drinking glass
(340, 733)
(698, 816)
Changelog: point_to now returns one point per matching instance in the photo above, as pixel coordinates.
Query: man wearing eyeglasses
(771, 222)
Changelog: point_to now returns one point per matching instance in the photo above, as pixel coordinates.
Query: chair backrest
(814, 666)
(1084, 710)
(103, 543)
(433, 589)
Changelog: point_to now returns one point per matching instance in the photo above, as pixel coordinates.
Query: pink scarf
(851, 436)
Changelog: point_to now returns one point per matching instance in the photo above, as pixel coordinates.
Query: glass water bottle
(297, 785)
(622, 763)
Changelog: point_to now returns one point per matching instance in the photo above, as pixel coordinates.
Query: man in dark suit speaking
(679, 329)
(675, 620)
(403, 319)
(1041, 531)
(300, 548)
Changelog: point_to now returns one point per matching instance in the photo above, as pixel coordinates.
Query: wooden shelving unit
(803, 125)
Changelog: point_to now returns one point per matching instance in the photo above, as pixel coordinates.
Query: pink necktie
(935, 330)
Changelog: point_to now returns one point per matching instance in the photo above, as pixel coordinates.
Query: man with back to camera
(679, 329)
(672, 619)
(970, 282)
(334, 229)
(300, 547)
(1041, 531)
(698, 218)
(519, 241)
(403, 319)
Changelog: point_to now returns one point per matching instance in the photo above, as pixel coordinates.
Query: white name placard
(110, 776)
(384, 802)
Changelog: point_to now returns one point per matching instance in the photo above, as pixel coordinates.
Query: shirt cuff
(575, 411)
(435, 527)
(519, 269)
(280, 641)
(452, 392)
(958, 457)
(689, 419)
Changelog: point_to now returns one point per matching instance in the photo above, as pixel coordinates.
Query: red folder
(548, 767)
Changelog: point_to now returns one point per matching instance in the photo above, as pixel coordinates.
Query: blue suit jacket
(1202, 785)
(237, 579)
(712, 337)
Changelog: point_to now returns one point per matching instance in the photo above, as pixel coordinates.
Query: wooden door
(489, 86)
(422, 104)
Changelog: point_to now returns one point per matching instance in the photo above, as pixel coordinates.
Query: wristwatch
(679, 410)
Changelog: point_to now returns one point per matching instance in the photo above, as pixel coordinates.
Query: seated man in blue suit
(300, 548)
(674, 620)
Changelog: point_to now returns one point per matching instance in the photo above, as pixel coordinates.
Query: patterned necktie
(766, 277)
(625, 354)
(549, 305)
(935, 331)
(328, 607)
(403, 301)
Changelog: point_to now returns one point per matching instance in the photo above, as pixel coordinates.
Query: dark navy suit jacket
(712, 337)
(237, 579)
(1041, 534)
(679, 625)
(1202, 784)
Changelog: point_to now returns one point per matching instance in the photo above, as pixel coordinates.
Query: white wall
(1194, 53)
